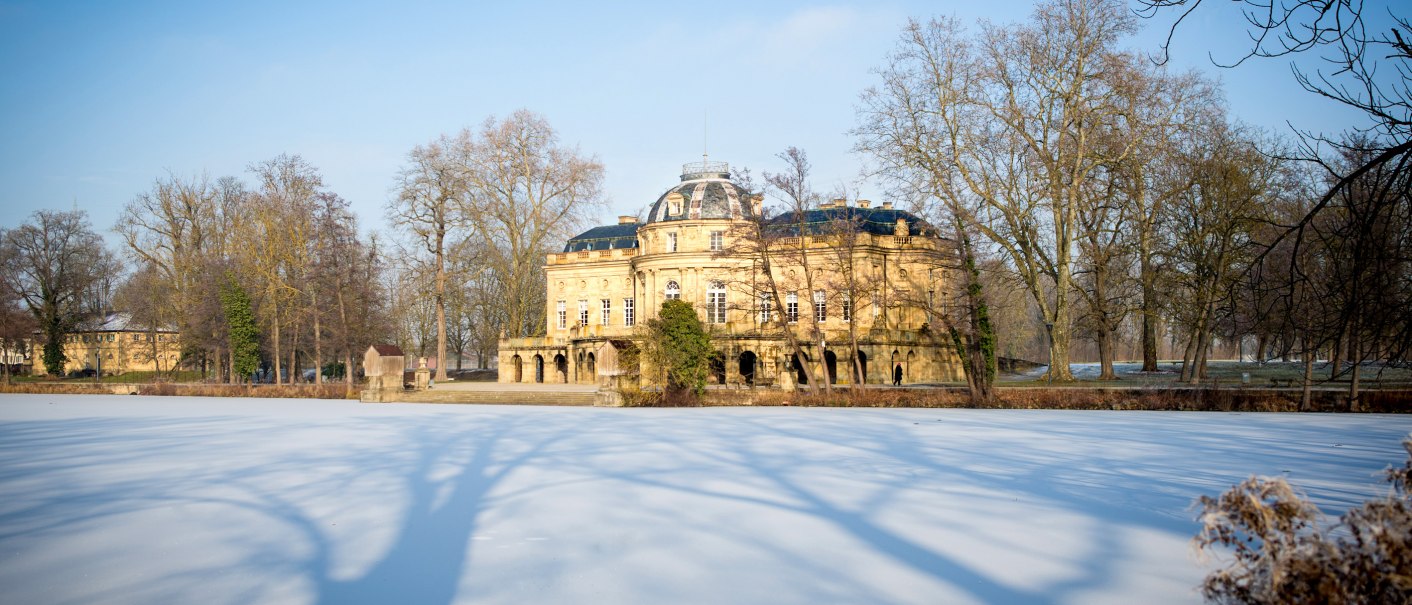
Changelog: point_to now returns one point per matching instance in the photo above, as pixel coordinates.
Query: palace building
(609, 279)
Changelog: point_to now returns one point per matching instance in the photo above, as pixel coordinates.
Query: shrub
(1283, 552)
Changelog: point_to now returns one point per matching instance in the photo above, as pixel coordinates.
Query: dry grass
(1278, 548)
(1070, 398)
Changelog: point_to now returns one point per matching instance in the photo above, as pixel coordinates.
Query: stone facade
(115, 346)
(610, 279)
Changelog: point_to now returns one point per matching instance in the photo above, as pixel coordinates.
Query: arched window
(673, 290)
(716, 303)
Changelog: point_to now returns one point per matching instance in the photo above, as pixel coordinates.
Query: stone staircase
(511, 397)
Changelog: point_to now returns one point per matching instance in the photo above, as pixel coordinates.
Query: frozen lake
(110, 499)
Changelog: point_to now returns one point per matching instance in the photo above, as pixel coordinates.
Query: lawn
(129, 499)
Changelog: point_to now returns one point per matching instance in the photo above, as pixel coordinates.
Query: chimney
(887, 206)
(865, 203)
(627, 220)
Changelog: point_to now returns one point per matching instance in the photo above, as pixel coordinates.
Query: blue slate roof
(878, 221)
(606, 237)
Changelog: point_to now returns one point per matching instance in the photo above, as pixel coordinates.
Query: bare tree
(146, 299)
(524, 193)
(1369, 69)
(17, 325)
(178, 229)
(1209, 231)
(1009, 125)
(790, 236)
(275, 240)
(763, 239)
(428, 208)
(52, 261)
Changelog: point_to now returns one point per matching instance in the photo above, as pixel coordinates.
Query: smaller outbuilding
(383, 365)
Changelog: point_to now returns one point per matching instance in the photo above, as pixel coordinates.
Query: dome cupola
(706, 192)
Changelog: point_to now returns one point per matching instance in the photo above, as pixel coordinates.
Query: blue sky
(98, 99)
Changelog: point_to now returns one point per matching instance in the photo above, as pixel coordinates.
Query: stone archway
(718, 367)
(831, 366)
(518, 366)
(800, 375)
(862, 366)
(561, 368)
(747, 367)
(592, 366)
(538, 368)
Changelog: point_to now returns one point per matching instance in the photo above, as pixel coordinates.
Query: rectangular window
(718, 239)
(583, 312)
(629, 313)
(820, 307)
(791, 307)
(672, 242)
(766, 305)
(716, 304)
(607, 311)
(136, 337)
(563, 315)
(847, 307)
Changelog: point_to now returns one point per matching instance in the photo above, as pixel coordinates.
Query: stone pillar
(423, 376)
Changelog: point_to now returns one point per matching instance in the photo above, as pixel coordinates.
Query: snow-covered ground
(184, 500)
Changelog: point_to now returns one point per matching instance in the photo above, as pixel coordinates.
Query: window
(673, 290)
(877, 306)
(563, 319)
(766, 304)
(847, 306)
(716, 303)
(629, 313)
(791, 307)
(820, 307)
(718, 239)
(136, 337)
(607, 311)
(672, 242)
(583, 312)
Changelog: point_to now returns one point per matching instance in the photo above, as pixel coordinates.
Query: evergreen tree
(240, 322)
(679, 345)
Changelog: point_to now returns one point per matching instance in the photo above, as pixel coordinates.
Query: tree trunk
(1308, 375)
(1189, 356)
(1059, 335)
(318, 340)
(440, 309)
(274, 338)
(1105, 351)
(1353, 380)
(1336, 356)
(1148, 276)
(1261, 341)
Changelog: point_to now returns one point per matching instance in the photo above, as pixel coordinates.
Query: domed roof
(706, 191)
